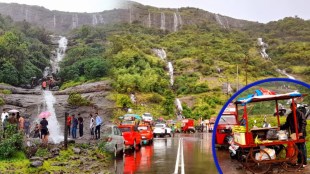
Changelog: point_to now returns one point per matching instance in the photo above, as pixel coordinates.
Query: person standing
(21, 122)
(74, 126)
(69, 118)
(4, 113)
(44, 130)
(27, 127)
(5, 123)
(80, 120)
(301, 127)
(44, 85)
(92, 127)
(98, 124)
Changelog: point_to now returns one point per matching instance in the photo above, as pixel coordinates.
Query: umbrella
(44, 114)
(13, 111)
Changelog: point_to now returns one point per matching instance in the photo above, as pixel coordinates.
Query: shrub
(2, 102)
(42, 152)
(11, 143)
(76, 99)
(5, 91)
(155, 98)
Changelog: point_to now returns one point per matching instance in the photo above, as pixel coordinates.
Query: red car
(225, 125)
(188, 126)
(146, 133)
(131, 136)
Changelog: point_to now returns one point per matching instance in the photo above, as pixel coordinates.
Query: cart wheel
(292, 164)
(258, 166)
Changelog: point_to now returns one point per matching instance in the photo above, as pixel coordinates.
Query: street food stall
(261, 147)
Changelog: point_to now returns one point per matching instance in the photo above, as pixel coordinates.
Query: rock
(59, 164)
(99, 156)
(76, 150)
(74, 157)
(36, 158)
(36, 164)
(55, 151)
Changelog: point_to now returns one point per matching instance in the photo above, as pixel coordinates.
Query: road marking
(180, 163)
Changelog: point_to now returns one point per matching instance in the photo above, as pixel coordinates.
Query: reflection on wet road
(160, 157)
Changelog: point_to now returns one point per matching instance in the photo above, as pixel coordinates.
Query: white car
(147, 117)
(161, 130)
(113, 137)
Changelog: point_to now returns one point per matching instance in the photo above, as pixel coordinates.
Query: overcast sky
(72, 5)
(254, 10)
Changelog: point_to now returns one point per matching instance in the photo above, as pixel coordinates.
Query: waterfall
(218, 19)
(175, 22)
(170, 68)
(101, 19)
(162, 21)
(55, 135)
(263, 48)
(60, 53)
(161, 53)
(95, 20)
(179, 108)
(180, 20)
(130, 13)
(149, 20)
(284, 73)
(75, 21)
(54, 21)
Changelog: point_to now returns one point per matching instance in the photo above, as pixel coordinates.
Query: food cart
(258, 151)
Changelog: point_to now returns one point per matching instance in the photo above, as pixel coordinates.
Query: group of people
(23, 124)
(50, 83)
(74, 123)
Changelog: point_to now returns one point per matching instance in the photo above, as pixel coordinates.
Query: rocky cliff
(165, 19)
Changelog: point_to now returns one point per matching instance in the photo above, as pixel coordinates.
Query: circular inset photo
(264, 128)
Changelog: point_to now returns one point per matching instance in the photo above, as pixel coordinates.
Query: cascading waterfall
(284, 73)
(130, 13)
(170, 68)
(56, 136)
(101, 19)
(180, 19)
(161, 53)
(175, 22)
(149, 20)
(95, 20)
(75, 21)
(179, 108)
(218, 19)
(263, 48)
(54, 21)
(162, 21)
(62, 46)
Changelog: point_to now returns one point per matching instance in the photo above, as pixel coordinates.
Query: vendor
(301, 126)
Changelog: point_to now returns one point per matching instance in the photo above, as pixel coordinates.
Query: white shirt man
(4, 113)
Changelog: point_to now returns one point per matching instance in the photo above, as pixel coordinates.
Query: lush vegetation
(24, 51)
(11, 143)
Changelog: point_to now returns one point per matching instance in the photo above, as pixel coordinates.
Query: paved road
(161, 156)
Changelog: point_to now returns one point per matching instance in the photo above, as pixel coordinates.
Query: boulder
(76, 150)
(36, 164)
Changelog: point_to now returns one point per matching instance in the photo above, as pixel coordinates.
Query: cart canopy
(264, 95)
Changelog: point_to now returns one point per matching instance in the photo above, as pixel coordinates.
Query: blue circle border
(233, 97)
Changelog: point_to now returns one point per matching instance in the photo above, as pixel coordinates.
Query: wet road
(161, 156)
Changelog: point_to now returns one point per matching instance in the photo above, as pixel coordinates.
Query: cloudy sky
(254, 10)
(72, 5)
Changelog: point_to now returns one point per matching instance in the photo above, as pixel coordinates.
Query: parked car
(146, 133)
(147, 117)
(115, 142)
(224, 128)
(161, 130)
(188, 126)
(132, 136)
